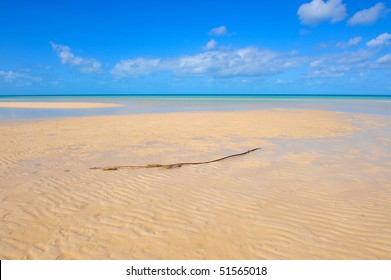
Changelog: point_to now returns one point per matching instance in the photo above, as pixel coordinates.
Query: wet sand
(319, 188)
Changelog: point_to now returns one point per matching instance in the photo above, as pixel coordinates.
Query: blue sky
(264, 47)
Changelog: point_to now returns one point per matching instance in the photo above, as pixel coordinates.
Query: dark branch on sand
(172, 165)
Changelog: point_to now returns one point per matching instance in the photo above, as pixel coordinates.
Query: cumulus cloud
(218, 31)
(86, 65)
(352, 42)
(210, 45)
(370, 15)
(257, 62)
(134, 68)
(249, 61)
(317, 11)
(381, 40)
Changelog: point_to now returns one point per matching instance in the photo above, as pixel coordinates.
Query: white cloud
(370, 15)
(384, 60)
(210, 45)
(361, 56)
(282, 82)
(218, 31)
(322, 68)
(316, 63)
(11, 76)
(352, 42)
(135, 67)
(329, 72)
(86, 65)
(381, 40)
(340, 64)
(249, 61)
(318, 11)
(255, 62)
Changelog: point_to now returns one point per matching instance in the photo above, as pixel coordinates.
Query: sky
(208, 47)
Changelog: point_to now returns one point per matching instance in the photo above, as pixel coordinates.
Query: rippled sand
(319, 189)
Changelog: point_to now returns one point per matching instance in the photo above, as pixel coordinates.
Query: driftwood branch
(172, 165)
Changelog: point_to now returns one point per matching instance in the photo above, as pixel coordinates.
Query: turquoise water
(138, 104)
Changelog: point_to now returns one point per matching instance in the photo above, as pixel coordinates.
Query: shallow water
(160, 104)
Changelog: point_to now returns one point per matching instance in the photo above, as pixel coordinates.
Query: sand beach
(320, 187)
